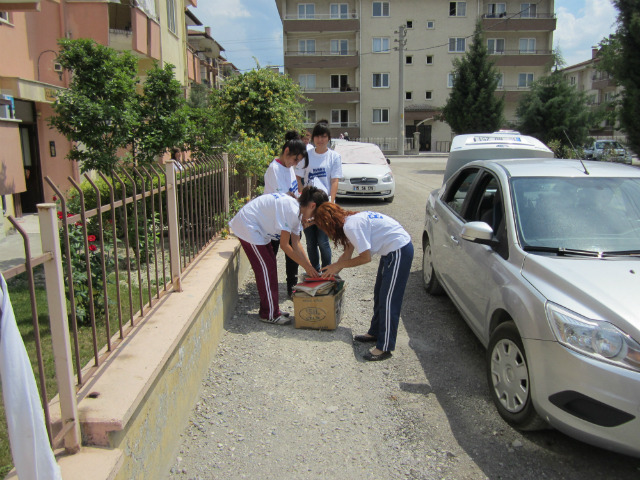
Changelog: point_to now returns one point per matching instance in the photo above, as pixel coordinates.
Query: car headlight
(388, 178)
(594, 338)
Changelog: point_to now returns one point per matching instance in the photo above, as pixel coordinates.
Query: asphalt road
(452, 362)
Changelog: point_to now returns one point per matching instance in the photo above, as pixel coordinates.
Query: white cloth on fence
(30, 446)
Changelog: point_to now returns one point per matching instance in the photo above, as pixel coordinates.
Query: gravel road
(281, 403)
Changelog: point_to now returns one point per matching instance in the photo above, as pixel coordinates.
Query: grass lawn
(19, 295)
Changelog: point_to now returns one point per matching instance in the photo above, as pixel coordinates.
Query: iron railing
(343, 53)
(322, 16)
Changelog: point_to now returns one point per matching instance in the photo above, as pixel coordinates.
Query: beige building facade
(344, 57)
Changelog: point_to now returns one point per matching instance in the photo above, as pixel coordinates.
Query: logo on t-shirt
(317, 173)
(278, 195)
(374, 215)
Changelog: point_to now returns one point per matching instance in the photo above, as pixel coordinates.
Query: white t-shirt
(376, 232)
(280, 179)
(325, 167)
(263, 218)
(299, 169)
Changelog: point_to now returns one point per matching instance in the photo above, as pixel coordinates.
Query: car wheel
(431, 283)
(388, 199)
(508, 376)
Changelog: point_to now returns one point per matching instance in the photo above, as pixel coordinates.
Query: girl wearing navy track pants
(281, 178)
(371, 233)
(269, 217)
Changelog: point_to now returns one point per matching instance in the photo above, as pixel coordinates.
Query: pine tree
(472, 106)
(619, 54)
(555, 110)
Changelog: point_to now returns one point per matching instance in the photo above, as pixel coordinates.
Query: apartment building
(344, 57)
(30, 78)
(599, 87)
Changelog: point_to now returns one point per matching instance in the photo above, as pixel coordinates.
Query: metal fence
(127, 235)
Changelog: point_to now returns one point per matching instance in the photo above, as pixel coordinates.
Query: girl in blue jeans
(371, 233)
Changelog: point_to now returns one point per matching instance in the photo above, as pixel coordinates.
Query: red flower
(93, 248)
(78, 224)
(91, 238)
(55, 198)
(60, 215)
(69, 215)
(110, 221)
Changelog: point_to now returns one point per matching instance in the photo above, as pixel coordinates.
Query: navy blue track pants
(393, 274)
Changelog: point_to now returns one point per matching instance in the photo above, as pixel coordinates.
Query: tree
(259, 103)
(99, 109)
(472, 106)
(619, 57)
(162, 124)
(555, 110)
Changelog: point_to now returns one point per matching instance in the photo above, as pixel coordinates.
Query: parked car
(610, 150)
(542, 261)
(365, 172)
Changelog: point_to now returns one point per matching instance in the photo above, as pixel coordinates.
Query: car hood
(364, 170)
(600, 289)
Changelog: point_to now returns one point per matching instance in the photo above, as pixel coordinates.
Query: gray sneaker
(281, 320)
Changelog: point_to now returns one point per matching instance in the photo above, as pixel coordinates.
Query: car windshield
(603, 145)
(586, 213)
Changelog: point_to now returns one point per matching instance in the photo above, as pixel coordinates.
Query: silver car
(610, 150)
(542, 259)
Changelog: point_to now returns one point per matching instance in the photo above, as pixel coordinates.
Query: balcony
(602, 80)
(517, 22)
(131, 29)
(294, 23)
(332, 95)
(512, 93)
(522, 58)
(321, 59)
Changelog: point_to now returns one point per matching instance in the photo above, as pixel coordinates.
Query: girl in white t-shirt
(275, 216)
(280, 178)
(323, 171)
(371, 233)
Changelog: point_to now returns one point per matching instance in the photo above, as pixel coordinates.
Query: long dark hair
(320, 129)
(296, 146)
(312, 194)
(330, 219)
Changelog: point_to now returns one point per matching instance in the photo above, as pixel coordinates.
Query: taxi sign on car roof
(494, 139)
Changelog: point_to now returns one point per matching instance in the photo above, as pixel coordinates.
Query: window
(4, 17)
(171, 15)
(429, 59)
(408, 95)
(409, 24)
(572, 81)
(341, 117)
(431, 24)
(525, 79)
(380, 45)
(339, 10)
(339, 82)
(380, 9)
(528, 10)
(307, 82)
(450, 80)
(306, 10)
(527, 45)
(339, 47)
(609, 96)
(496, 10)
(408, 60)
(380, 115)
(500, 80)
(380, 80)
(309, 116)
(457, 44)
(495, 45)
(457, 190)
(428, 95)
(306, 47)
(457, 9)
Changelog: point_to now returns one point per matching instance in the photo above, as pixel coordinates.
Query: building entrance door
(25, 111)
(425, 135)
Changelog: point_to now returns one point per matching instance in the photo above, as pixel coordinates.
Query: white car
(365, 172)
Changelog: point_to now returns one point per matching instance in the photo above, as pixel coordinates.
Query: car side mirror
(388, 161)
(478, 232)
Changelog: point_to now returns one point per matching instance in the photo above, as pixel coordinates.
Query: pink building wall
(154, 39)
(140, 32)
(88, 20)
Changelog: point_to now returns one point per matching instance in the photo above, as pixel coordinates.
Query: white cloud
(225, 8)
(576, 35)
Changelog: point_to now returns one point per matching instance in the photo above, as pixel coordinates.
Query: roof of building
(198, 33)
(189, 14)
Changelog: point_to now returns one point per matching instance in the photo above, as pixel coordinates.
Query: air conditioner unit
(5, 110)
(57, 67)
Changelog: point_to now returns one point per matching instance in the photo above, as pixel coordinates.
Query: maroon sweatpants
(263, 262)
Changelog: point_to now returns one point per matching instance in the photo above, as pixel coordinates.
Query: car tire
(431, 283)
(388, 199)
(508, 377)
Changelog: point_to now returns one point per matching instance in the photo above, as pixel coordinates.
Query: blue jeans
(317, 240)
(393, 274)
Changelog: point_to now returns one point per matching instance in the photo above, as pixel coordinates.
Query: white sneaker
(281, 320)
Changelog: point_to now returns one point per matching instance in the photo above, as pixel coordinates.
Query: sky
(252, 28)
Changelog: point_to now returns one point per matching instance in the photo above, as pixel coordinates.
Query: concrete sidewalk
(12, 246)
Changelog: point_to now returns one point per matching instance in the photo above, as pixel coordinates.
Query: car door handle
(455, 240)
(435, 217)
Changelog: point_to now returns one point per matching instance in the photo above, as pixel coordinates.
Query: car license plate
(362, 188)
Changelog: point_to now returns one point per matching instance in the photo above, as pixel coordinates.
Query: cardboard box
(322, 313)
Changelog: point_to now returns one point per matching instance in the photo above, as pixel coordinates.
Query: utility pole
(401, 42)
